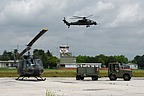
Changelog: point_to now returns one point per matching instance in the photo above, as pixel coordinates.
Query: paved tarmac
(70, 87)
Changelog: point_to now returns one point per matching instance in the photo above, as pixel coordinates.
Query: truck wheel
(78, 78)
(82, 78)
(112, 77)
(126, 77)
(95, 78)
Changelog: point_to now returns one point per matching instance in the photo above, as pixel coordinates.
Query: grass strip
(6, 72)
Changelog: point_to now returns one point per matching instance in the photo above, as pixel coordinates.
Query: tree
(52, 61)
(7, 56)
(48, 59)
(49, 54)
(122, 59)
(102, 59)
(81, 59)
(140, 61)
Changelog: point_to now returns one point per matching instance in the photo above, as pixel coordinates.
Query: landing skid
(37, 78)
(41, 79)
(87, 26)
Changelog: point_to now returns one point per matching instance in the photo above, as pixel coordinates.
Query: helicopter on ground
(30, 66)
(82, 21)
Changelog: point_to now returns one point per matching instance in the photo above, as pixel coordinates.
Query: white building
(74, 65)
(9, 63)
(133, 66)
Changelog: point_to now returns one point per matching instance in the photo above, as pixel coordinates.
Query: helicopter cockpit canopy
(31, 62)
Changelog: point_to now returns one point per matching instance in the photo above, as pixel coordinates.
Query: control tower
(66, 56)
(64, 49)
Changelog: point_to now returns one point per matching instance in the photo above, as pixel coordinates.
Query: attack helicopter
(30, 66)
(82, 21)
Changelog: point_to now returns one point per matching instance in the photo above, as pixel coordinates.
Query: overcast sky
(120, 29)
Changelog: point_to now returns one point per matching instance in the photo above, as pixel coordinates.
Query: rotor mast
(32, 42)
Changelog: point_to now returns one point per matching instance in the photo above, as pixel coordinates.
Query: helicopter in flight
(82, 21)
(29, 66)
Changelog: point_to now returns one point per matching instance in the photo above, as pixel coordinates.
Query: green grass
(103, 73)
(6, 72)
(59, 73)
(49, 93)
(8, 69)
(138, 73)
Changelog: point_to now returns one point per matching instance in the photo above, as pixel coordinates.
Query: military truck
(116, 71)
(85, 70)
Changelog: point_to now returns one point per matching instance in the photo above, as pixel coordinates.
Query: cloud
(127, 14)
(93, 8)
(119, 29)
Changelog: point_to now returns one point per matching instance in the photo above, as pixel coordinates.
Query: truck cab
(115, 71)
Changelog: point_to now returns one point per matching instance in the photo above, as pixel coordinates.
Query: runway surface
(71, 87)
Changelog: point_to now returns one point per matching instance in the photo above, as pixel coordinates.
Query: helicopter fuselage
(30, 68)
(86, 22)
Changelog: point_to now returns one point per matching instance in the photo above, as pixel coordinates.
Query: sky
(119, 31)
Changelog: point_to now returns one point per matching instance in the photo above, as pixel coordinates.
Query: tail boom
(67, 23)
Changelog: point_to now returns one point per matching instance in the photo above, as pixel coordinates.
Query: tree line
(102, 59)
(51, 61)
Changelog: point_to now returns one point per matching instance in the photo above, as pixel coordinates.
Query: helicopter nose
(30, 70)
(41, 71)
(95, 23)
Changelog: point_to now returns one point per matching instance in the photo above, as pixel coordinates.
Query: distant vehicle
(82, 21)
(114, 71)
(28, 65)
(84, 70)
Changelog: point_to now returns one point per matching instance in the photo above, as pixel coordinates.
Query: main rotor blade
(82, 16)
(24, 51)
(32, 42)
(78, 16)
(74, 18)
(89, 16)
(37, 37)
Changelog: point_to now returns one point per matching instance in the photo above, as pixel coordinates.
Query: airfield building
(66, 58)
(68, 61)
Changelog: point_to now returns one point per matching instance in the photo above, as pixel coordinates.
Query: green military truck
(114, 71)
(84, 70)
